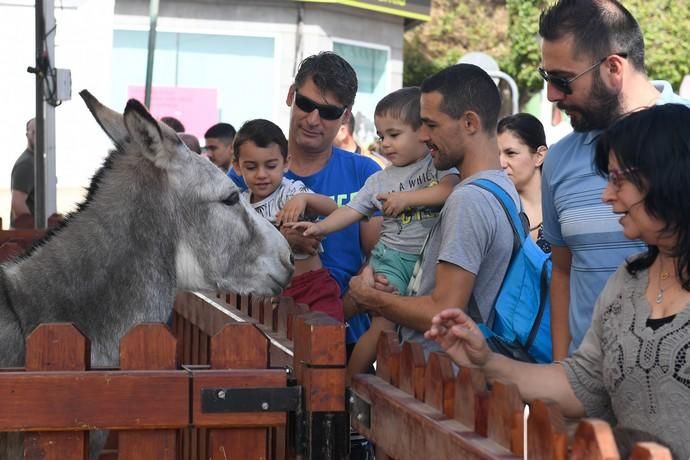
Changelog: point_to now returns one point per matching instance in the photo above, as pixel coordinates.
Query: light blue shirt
(575, 217)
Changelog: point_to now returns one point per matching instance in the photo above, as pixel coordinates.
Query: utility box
(63, 84)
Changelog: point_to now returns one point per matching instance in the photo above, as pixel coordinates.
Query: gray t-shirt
(472, 232)
(406, 232)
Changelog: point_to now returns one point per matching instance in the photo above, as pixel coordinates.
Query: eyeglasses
(327, 112)
(617, 176)
(563, 84)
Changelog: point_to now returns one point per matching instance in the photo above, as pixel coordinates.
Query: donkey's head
(220, 241)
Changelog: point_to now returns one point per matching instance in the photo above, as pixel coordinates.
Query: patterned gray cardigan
(628, 374)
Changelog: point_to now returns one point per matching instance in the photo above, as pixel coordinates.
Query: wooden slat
(48, 348)
(238, 346)
(505, 405)
(408, 429)
(388, 351)
(650, 451)
(412, 369)
(594, 441)
(471, 400)
(95, 399)
(439, 383)
(148, 346)
(547, 439)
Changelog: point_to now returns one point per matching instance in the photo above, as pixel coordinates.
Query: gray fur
(157, 218)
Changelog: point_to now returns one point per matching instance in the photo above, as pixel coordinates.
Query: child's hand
(308, 228)
(293, 210)
(393, 203)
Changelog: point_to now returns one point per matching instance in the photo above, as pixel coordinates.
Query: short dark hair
(653, 147)
(329, 72)
(223, 131)
(466, 87)
(402, 104)
(174, 123)
(525, 127)
(263, 133)
(598, 27)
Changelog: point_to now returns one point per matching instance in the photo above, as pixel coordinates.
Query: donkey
(156, 218)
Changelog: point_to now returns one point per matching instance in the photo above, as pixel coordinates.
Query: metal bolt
(360, 417)
(264, 406)
(221, 394)
(352, 399)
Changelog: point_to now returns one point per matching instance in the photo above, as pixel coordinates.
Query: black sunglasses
(563, 84)
(327, 112)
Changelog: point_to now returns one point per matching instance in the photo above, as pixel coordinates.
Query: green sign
(412, 9)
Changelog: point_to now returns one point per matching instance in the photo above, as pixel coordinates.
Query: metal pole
(153, 19)
(513, 87)
(39, 147)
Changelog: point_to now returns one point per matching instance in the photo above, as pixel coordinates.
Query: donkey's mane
(90, 193)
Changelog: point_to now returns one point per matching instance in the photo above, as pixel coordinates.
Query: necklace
(663, 276)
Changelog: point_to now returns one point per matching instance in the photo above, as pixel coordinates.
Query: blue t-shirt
(575, 217)
(341, 178)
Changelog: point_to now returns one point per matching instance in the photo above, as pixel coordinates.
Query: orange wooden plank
(650, 451)
(95, 399)
(388, 351)
(439, 383)
(51, 347)
(504, 404)
(412, 369)
(408, 429)
(240, 346)
(471, 408)
(546, 432)
(148, 346)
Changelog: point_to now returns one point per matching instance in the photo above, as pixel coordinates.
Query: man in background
(218, 147)
(593, 62)
(22, 183)
(345, 138)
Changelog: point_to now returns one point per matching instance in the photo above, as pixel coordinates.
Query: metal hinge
(277, 399)
(359, 409)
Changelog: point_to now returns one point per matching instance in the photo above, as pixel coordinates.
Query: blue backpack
(519, 325)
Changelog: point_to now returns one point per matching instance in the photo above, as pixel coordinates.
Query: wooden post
(320, 368)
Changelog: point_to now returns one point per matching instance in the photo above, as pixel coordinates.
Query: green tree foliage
(507, 30)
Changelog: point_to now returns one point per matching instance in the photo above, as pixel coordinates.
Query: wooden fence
(228, 402)
(414, 408)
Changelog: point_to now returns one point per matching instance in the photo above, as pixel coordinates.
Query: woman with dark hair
(522, 145)
(633, 366)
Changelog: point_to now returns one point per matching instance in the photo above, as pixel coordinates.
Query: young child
(410, 192)
(260, 157)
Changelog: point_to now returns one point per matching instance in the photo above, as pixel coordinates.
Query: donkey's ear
(145, 131)
(110, 120)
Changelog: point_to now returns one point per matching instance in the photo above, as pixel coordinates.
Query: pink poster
(196, 108)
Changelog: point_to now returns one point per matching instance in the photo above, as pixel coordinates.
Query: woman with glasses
(522, 146)
(633, 366)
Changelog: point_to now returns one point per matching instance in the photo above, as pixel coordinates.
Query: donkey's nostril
(292, 259)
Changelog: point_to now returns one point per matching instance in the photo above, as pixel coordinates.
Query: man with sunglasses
(593, 63)
(320, 101)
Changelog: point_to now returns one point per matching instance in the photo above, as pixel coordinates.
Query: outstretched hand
(460, 337)
(292, 210)
(307, 228)
(393, 203)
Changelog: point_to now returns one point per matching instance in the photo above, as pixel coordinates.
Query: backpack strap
(519, 234)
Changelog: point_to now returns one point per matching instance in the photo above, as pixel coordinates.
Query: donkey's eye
(232, 199)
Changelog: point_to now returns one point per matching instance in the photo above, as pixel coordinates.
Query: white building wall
(84, 43)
